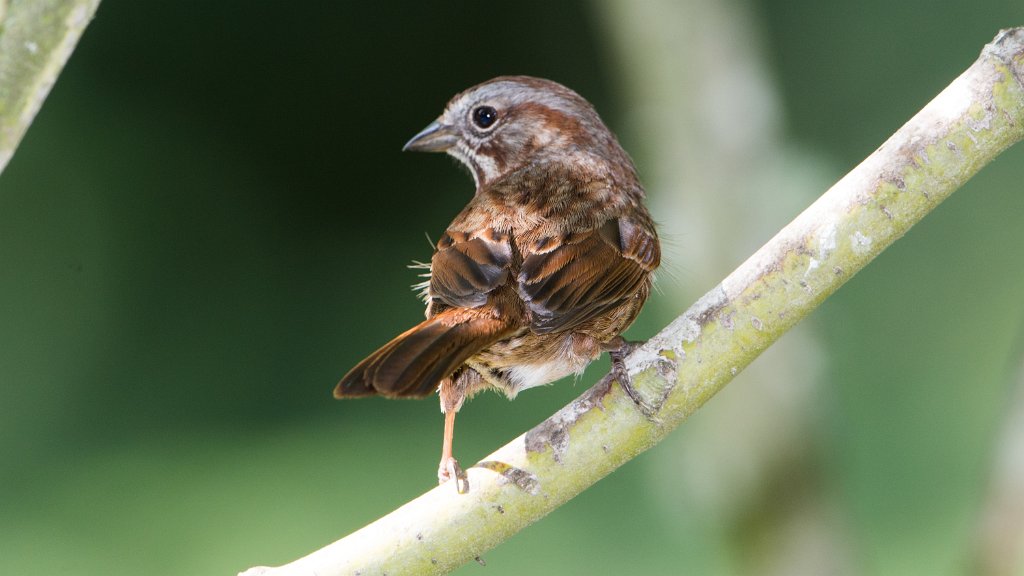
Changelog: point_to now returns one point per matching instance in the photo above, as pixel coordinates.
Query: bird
(549, 262)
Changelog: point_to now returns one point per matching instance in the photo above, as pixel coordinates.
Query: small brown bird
(551, 260)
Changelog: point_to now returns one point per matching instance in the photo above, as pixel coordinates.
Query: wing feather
(587, 274)
(466, 268)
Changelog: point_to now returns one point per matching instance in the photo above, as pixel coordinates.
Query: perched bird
(544, 268)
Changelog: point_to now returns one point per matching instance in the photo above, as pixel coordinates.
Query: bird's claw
(450, 470)
(619, 349)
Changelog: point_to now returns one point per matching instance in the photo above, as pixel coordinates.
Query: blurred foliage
(207, 226)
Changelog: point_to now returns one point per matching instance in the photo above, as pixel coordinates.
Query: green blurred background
(209, 222)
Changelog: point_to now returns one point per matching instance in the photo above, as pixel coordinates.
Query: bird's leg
(618, 348)
(452, 392)
(449, 468)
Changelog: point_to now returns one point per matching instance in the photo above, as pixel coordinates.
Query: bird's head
(509, 122)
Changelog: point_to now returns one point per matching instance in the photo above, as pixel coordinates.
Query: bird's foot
(618, 348)
(450, 470)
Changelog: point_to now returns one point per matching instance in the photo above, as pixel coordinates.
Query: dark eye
(484, 116)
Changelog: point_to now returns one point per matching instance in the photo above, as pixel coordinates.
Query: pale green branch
(971, 122)
(36, 39)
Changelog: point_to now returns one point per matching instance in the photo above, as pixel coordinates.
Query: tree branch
(966, 126)
(36, 39)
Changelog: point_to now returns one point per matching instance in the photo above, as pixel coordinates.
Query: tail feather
(414, 363)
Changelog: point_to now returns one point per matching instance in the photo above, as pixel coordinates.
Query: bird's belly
(532, 360)
(525, 376)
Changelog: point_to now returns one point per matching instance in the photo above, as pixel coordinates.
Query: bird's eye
(484, 116)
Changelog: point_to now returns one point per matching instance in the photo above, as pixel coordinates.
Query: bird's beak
(434, 138)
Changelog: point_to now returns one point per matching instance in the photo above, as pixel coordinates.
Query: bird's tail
(413, 364)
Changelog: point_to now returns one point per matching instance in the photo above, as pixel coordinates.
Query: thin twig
(973, 120)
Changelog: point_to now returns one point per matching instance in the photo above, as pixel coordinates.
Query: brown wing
(465, 270)
(469, 266)
(570, 281)
(414, 363)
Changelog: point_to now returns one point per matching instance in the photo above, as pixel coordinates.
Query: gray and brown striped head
(503, 124)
